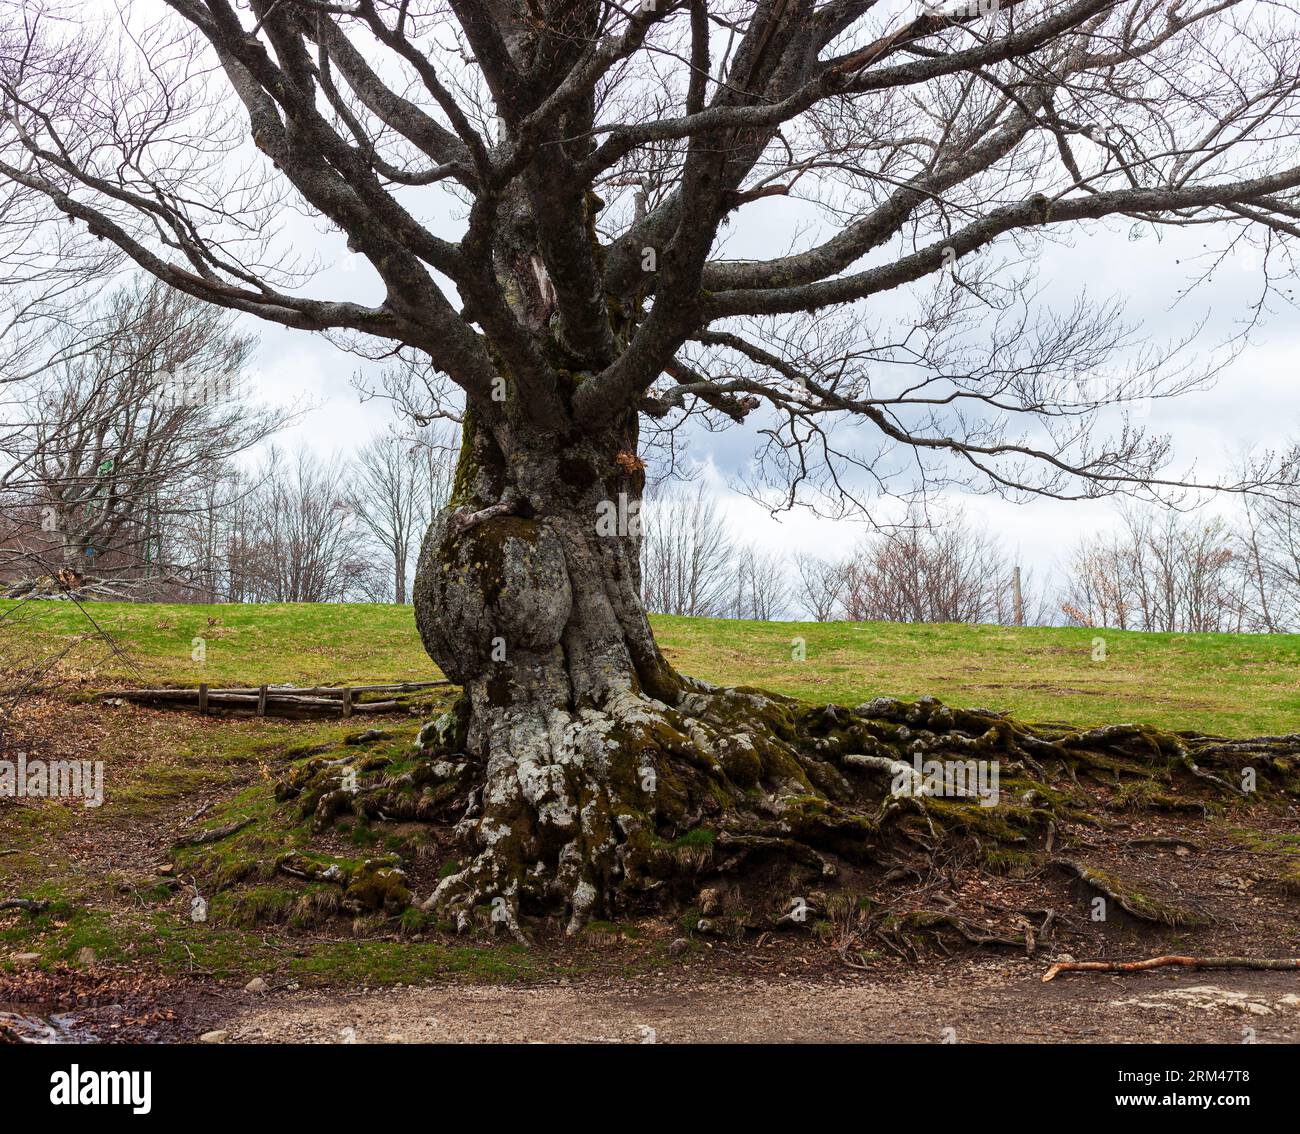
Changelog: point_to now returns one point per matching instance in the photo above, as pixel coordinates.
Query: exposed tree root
(1128, 897)
(1264, 963)
(641, 805)
(755, 812)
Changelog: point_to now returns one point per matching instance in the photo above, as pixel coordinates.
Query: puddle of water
(30, 1027)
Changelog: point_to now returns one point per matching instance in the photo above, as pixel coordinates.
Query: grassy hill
(1220, 683)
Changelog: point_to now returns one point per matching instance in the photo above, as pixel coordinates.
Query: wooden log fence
(278, 700)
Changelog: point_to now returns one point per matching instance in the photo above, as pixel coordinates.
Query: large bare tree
(597, 157)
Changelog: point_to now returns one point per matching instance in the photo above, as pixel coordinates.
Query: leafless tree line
(942, 571)
(302, 528)
(691, 566)
(926, 571)
(125, 428)
(1180, 573)
(1160, 570)
(297, 527)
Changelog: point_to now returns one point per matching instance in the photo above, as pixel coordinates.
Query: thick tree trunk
(528, 582)
(527, 595)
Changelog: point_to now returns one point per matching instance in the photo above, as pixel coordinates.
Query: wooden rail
(276, 700)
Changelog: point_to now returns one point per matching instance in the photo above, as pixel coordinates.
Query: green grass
(161, 940)
(306, 643)
(1233, 684)
(1222, 683)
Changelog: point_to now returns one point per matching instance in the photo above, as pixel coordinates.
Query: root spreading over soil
(745, 811)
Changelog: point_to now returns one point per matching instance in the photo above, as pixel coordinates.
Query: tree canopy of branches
(545, 190)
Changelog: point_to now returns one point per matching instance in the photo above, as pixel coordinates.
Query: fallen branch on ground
(1162, 962)
(24, 904)
(214, 835)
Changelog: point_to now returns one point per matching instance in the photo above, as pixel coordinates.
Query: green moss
(697, 837)
(462, 485)
(1008, 823)
(362, 834)
(315, 905)
(258, 905)
(378, 884)
(1002, 860)
(597, 928)
(1144, 795)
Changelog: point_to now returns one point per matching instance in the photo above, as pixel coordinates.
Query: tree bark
(527, 594)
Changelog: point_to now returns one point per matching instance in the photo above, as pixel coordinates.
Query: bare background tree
(933, 568)
(760, 588)
(686, 554)
(387, 494)
(137, 409)
(939, 573)
(301, 541)
(819, 586)
(1164, 572)
(1268, 549)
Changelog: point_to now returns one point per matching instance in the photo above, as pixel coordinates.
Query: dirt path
(980, 1001)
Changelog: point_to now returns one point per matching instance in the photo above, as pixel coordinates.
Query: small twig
(1162, 962)
(203, 810)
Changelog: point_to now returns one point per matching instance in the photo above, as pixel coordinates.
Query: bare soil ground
(974, 999)
(961, 1001)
